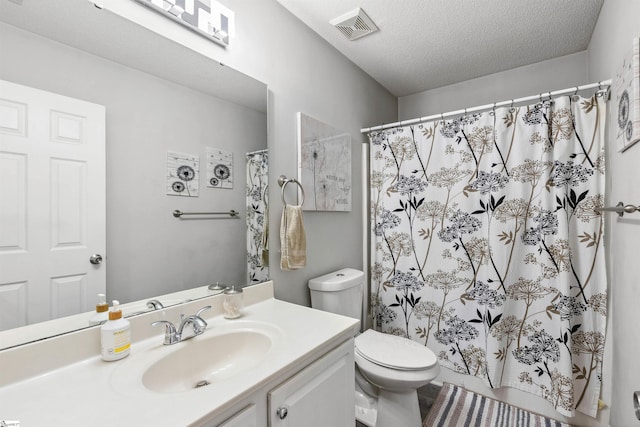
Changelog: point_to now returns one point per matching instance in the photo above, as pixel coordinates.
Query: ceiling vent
(354, 24)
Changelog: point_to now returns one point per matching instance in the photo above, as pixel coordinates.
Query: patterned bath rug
(456, 406)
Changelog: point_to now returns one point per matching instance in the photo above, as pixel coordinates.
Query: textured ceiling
(425, 44)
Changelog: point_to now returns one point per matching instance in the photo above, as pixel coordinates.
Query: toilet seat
(394, 352)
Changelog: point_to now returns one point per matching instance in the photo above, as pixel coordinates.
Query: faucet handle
(170, 336)
(205, 308)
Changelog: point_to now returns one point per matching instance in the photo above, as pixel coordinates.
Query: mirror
(159, 97)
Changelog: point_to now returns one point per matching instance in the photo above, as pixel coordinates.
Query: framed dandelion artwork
(182, 174)
(219, 168)
(324, 165)
(627, 91)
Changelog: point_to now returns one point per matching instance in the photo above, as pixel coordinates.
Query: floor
(426, 397)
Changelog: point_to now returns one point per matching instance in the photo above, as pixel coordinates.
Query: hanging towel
(293, 243)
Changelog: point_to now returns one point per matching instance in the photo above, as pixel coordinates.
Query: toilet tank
(339, 292)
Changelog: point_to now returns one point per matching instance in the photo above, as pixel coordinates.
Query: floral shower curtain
(487, 247)
(257, 217)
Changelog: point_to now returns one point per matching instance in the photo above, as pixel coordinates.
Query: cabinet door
(245, 418)
(320, 395)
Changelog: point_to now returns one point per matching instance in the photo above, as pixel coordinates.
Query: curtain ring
(511, 110)
(442, 117)
(575, 97)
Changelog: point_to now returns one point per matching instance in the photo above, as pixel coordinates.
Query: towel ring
(283, 181)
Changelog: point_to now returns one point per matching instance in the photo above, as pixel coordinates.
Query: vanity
(280, 364)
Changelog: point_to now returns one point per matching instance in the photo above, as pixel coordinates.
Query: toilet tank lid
(337, 281)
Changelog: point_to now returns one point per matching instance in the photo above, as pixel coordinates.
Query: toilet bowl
(396, 367)
(389, 369)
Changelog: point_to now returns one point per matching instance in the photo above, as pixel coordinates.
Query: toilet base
(366, 409)
(388, 409)
(398, 409)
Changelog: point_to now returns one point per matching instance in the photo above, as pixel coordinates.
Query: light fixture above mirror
(208, 18)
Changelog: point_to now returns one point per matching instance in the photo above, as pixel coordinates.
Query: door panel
(52, 205)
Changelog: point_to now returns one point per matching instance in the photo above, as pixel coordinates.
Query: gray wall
(558, 73)
(618, 24)
(306, 74)
(149, 252)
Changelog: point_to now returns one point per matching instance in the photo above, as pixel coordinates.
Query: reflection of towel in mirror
(293, 243)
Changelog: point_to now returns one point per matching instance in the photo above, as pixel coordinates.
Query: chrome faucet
(173, 335)
(155, 304)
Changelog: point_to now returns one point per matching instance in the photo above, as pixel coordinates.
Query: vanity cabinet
(319, 394)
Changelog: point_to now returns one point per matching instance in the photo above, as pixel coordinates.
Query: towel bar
(233, 214)
(283, 181)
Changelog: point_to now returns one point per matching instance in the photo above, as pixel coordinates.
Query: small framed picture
(627, 92)
(219, 168)
(182, 174)
(324, 165)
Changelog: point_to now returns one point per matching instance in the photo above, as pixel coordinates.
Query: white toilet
(389, 369)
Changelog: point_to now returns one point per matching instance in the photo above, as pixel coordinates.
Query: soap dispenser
(115, 335)
(102, 311)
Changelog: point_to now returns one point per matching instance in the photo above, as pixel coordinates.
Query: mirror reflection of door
(52, 205)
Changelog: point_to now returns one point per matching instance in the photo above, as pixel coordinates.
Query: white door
(52, 205)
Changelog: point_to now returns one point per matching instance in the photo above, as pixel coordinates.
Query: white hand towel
(293, 242)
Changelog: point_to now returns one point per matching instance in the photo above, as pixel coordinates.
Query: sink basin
(227, 353)
(205, 360)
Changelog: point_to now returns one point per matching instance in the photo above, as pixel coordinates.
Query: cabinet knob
(282, 412)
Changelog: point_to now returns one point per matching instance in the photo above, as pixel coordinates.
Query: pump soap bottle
(102, 311)
(115, 335)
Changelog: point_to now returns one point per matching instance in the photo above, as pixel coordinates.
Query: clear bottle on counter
(115, 335)
(233, 303)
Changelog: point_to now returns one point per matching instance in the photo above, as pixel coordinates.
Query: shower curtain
(487, 248)
(257, 217)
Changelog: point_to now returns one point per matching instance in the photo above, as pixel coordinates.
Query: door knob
(95, 259)
(282, 412)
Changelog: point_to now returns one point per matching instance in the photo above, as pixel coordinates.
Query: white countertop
(91, 392)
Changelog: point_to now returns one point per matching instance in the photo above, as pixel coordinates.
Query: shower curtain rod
(600, 85)
(251, 153)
